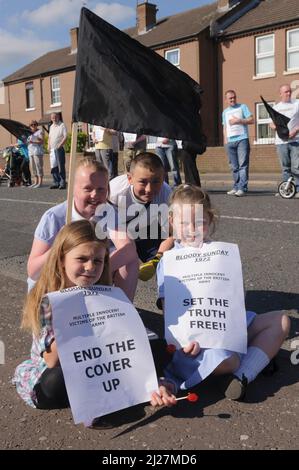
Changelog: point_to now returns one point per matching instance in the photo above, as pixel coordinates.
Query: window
(30, 104)
(173, 56)
(264, 134)
(293, 49)
(264, 54)
(55, 91)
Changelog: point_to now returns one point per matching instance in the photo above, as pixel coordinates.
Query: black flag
(280, 121)
(123, 85)
(16, 128)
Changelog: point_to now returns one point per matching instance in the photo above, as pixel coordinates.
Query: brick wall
(263, 159)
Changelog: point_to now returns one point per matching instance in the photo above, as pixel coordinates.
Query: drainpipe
(217, 94)
(41, 96)
(9, 109)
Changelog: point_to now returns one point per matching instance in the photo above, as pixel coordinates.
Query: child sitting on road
(266, 332)
(135, 195)
(91, 187)
(77, 258)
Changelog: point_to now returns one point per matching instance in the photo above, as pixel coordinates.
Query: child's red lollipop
(193, 397)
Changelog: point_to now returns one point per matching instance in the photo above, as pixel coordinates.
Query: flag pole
(72, 168)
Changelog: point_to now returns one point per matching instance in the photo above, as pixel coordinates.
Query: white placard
(129, 137)
(99, 133)
(233, 130)
(53, 159)
(204, 297)
(103, 350)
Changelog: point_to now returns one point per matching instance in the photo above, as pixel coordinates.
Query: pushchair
(4, 175)
(12, 173)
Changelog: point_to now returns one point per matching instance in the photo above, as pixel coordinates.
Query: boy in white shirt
(141, 197)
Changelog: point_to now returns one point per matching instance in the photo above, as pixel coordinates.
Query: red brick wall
(198, 59)
(237, 71)
(263, 159)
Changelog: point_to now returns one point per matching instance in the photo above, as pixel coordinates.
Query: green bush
(81, 142)
(46, 138)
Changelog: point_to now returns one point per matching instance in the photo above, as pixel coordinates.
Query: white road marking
(29, 202)
(250, 219)
(257, 219)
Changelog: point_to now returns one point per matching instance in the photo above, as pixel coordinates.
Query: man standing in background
(288, 150)
(235, 120)
(57, 139)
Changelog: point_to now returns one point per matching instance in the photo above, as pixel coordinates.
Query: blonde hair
(191, 194)
(91, 162)
(52, 276)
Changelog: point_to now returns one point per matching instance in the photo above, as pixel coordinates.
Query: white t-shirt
(291, 110)
(34, 147)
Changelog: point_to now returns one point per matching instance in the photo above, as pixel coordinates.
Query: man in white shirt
(288, 150)
(57, 139)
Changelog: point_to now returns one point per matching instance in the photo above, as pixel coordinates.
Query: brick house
(46, 84)
(209, 43)
(256, 54)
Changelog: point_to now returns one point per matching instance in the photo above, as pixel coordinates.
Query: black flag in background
(16, 128)
(280, 121)
(123, 85)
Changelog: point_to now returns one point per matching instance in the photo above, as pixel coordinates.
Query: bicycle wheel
(287, 189)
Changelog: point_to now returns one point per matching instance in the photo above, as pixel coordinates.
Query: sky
(30, 28)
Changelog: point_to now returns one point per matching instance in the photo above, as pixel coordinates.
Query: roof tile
(267, 13)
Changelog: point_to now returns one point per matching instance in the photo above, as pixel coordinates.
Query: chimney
(146, 17)
(225, 5)
(74, 40)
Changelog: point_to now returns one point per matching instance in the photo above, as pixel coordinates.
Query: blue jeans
(289, 160)
(60, 174)
(169, 157)
(55, 176)
(147, 248)
(238, 156)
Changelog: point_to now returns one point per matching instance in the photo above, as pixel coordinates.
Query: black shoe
(234, 388)
(54, 186)
(63, 186)
(271, 368)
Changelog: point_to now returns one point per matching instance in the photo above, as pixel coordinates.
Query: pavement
(267, 181)
(266, 230)
(214, 181)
